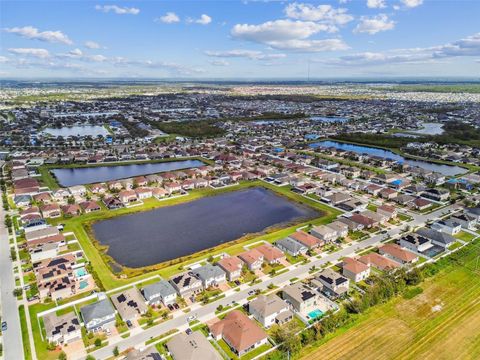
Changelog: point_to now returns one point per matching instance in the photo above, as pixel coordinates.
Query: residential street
(207, 312)
(12, 338)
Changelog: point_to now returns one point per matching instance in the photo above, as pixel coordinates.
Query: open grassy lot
(440, 322)
(94, 252)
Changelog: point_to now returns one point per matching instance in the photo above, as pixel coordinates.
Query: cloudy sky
(239, 39)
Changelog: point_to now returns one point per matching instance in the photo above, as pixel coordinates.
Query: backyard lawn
(441, 321)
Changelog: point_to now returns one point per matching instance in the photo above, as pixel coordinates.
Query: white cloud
(30, 32)
(322, 13)
(78, 54)
(169, 18)
(203, 20)
(289, 35)
(469, 46)
(219, 62)
(239, 53)
(35, 52)
(412, 3)
(117, 9)
(376, 4)
(3, 59)
(92, 45)
(375, 24)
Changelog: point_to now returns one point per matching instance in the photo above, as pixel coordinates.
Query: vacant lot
(441, 323)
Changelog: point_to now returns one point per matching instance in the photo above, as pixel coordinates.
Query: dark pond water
(443, 169)
(90, 175)
(171, 232)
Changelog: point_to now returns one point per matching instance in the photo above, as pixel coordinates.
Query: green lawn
(109, 280)
(465, 236)
(25, 339)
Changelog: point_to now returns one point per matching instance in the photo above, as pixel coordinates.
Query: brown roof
(238, 330)
(361, 219)
(398, 252)
(378, 261)
(354, 266)
(270, 252)
(388, 208)
(305, 239)
(251, 256)
(231, 263)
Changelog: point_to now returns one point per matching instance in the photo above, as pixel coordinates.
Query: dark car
(129, 323)
(188, 331)
(4, 326)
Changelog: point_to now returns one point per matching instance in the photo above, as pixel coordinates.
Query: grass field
(109, 280)
(442, 322)
(26, 341)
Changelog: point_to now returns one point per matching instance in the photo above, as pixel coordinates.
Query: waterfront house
(143, 193)
(129, 304)
(324, 233)
(210, 275)
(291, 246)
(90, 206)
(43, 197)
(252, 258)
(267, 310)
(186, 284)
(307, 240)
(271, 254)
(98, 316)
(239, 332)
(159, 292)
(78, 190)
(62, 329)
(71, 209)
(112, 202)
(127, 196)
(232, 266)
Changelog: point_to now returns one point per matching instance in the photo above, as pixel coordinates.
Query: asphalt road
(206, 312)
(12, 338)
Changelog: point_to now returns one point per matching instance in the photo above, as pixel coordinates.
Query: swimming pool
(315, 314)
(83, 284)
(80, 272)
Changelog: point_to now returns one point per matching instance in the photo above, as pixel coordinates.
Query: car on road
(188, 331)
(191, 318)
(383, 232)
(4, 326)
(251, 292)
(129, 323)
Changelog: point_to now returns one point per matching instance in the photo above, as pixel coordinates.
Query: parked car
(191, 318)
(4, 326)
(188, 331)
(129, 323)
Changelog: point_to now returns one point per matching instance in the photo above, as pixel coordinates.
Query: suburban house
(436, 194)
(473, 212)
(437, 237)
(307, 240)
(143, 193)
(355, 270)
(300, 296)
(332, 283)
(292, 247)
(269, 310)
(398, 254)
(130, 304)
(378, 261)
(271, 254)
(415, 242)
(150, 353)
(340, 228)
(324, 233)
(466, 221)
(239, 332)
(90, 206)
(252, 258)
(389, 211)
(366, 222)
(210, 275)
(186, 284)
(232, 266)
(160, 292)
(449, 226)
(51, 211)
(127, 196)
(71, 209)
(99, 315)
(194, 346)
(421, 204)
(62, 329)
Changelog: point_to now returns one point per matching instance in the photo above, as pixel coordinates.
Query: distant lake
(77, 130)
(429, 129)
(448, 170)
(159, 235)
(95, 174)
(328, 119)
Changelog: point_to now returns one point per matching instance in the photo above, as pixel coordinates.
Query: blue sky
(239, 39)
